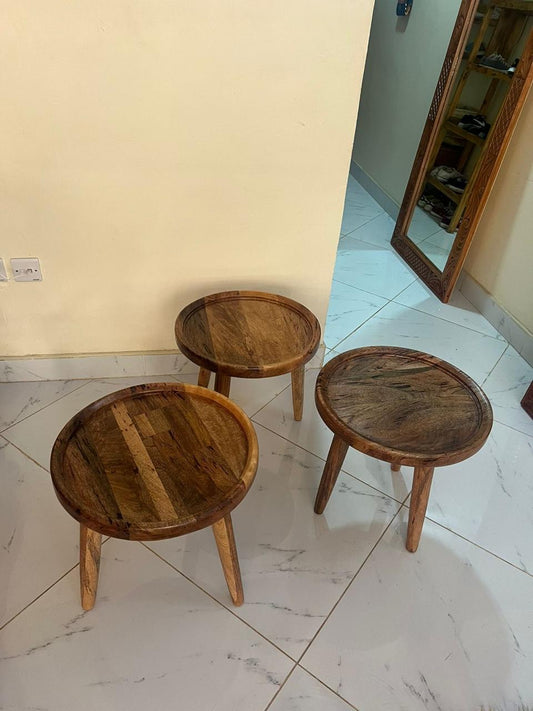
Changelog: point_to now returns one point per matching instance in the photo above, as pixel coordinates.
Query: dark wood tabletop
(247, 334)
(403, 406)
(154, 461)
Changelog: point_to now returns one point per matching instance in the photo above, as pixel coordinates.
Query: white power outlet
(27, 269)
(3, 273)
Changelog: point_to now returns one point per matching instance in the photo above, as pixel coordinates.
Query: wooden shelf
(455, 197)
(454, 128)
(520, 5)
(489, 71)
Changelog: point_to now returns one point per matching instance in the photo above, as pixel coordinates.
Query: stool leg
(395, 467)
(222, 384)
(336, 455)
(417, 509)
(90, 545)
(297, 381)
(204, 376)
(227, 551)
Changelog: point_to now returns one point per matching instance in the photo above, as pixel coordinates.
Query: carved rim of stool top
(309, 345)
(166, 526)
(389, 453)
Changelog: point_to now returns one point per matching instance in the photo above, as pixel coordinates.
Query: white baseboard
(379, 195)
(108, 365)
(513, 331)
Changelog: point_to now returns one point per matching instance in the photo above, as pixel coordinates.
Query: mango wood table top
(154, 461)
(403, 406)
(247, 334)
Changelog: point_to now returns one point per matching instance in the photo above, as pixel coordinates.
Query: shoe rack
(503, 22)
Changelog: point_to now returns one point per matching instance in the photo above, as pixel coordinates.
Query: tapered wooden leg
(204, 376)
(297, 380)
(417, 509)
(227, 551)
(395, 467)
(90, 545)
(336, 455)
(222, 384)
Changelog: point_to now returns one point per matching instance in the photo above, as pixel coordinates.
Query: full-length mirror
(483, 84)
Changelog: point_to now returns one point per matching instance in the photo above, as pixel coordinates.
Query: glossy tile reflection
(337, 615)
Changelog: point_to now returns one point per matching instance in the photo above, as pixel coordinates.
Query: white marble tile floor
(338, 616)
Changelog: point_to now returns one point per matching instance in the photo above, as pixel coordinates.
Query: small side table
(151, 462)
(404, 407)
(249, 334)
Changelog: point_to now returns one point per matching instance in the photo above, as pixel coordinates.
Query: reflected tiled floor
(338, 615)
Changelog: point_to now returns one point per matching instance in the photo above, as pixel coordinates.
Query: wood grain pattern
(90, 546)
(204, 376)
(227, 551)
(247, 334)
(443, 282)
(154, 461)
(336, 455)
(417, 508)
(222, 384)
(297, 384)
(403, 406)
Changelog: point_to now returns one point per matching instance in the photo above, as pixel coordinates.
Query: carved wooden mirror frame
(443, 282)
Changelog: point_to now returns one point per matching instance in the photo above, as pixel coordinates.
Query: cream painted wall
(404, 61)
(501, 255)
(155, 151)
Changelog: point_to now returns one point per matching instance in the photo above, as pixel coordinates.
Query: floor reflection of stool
(404, 407)
(249, 334)
(151, 462)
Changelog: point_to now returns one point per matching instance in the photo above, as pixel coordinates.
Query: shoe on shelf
(441, 209)
(458, 184)
(512, 68)
(475, 124)
(424, 202)
(446, 217)
(495, 61)
(444, 173)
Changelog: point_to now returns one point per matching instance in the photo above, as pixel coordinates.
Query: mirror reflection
(483, 79)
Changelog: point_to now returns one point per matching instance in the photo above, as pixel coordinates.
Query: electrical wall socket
(27, 269)
(3, 273)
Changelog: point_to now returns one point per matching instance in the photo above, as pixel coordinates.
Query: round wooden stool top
(247, 334)
(403, 406)
(154, 461)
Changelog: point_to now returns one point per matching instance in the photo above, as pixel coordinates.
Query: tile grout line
(23, 419)
(371, 219)
(323, 683)
(454, 323)
(495, 364)
(476, 545)
(361, 481)
(25, 454)
(104, 541)
(349, 585)
(218, 602)
(515, 429)
(361, 324)
(411, 308)
(281, 687)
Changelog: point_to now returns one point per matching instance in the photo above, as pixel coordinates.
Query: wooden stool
(404, 407)
(151, 462)
(249, 334)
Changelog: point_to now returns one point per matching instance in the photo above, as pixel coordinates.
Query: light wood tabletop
(248, 334)
(155, 461)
